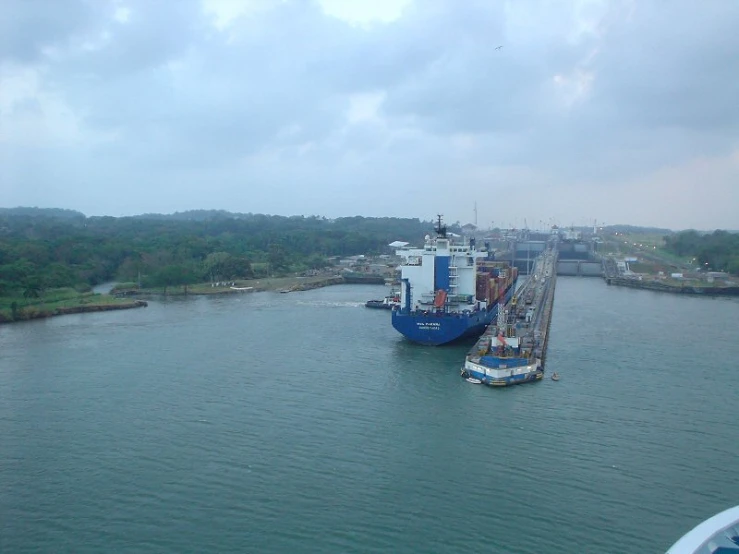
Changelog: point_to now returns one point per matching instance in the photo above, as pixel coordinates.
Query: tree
(32, 289)
(79, 250)
(215, 265)
(237, 267)
(277, 259)
(316, 261)
(176, 274)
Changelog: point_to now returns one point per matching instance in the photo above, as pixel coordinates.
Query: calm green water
(303, 423)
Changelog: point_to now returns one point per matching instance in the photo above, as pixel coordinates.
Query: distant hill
(639, 230)
(194, 215)
(57, 213)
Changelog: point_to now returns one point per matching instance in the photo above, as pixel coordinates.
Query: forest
(717, 251)
(42, 249)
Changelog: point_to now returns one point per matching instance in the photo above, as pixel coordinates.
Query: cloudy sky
(622, 111)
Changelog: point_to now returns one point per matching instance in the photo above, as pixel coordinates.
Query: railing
(719, 533)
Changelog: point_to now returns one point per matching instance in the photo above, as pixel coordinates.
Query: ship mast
(440, 227)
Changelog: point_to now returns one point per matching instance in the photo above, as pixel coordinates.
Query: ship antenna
(440, 227)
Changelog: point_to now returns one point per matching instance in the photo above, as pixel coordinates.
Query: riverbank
(281, 284)
(121, 297)
(84, 303)
(674, 288)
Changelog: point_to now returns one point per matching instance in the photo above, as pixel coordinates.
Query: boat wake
(330, 304)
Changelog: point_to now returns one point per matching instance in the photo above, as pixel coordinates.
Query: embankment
(674, 289)
(39, 312)
(282, 284)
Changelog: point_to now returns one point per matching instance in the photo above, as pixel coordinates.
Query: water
(303, 423)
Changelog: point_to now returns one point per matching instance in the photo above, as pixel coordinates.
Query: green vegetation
(47, 253)
(35, 302)
(717, 251)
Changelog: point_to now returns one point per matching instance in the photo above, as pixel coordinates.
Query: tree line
(718, 250)
(42, 249)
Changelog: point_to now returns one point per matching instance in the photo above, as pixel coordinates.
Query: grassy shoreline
(281, 284)
(68, 301)
(61, 302)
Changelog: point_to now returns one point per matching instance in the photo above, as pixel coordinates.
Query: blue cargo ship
(449, 289)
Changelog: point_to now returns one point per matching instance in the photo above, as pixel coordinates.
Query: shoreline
(274, 284)
(673, 289)
(123, 298)
(25, 315)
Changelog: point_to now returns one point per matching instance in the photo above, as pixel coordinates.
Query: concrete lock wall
(535, 248)
(591, 269)
(581, 268)
(565, 267)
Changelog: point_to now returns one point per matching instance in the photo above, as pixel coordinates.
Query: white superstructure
(442, 264)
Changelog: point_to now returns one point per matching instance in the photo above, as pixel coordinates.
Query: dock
(513, 348)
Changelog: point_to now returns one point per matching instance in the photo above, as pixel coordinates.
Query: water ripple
(303, 422)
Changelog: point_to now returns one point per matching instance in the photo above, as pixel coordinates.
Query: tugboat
(388, 303)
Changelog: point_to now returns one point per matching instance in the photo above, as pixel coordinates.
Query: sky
(534, 112)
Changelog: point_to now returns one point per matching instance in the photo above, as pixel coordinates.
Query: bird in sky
(498, 47)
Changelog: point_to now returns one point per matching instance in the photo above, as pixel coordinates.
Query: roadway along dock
(513, 349)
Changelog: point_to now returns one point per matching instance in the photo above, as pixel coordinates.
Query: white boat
(555, 376)
(473, 380)
(719, 533)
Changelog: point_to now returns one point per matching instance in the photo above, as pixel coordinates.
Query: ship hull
(516, 376)
(436, 329)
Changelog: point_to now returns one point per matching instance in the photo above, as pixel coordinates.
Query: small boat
(388, 303)
(555, 376)
(473, 381)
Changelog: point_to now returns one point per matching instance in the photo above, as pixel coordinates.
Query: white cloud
(295, 106)
(122, 14)
(30, 115)
(365, 106)
(364, 12)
